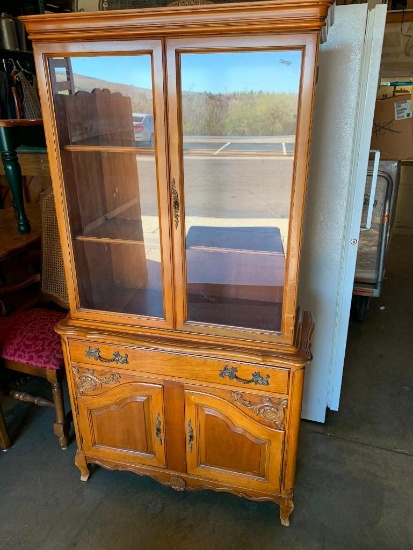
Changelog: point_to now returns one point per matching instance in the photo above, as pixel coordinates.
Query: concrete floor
(354, 486)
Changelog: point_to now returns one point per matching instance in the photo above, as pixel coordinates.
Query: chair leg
(4, 437)
(61, 425)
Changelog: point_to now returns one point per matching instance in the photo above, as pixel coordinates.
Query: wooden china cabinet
(178, 141)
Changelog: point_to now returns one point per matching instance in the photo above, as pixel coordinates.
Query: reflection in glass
(104, 109)
(126, 76)
(239, 113)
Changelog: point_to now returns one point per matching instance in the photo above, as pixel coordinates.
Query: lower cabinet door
(125, 423)
(226, 445)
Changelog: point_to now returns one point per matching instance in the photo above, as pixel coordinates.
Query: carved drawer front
(175, 365)
(224, 444)
(120, 417)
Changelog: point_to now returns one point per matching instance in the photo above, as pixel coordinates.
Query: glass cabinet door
(109, 126)
(236, 117)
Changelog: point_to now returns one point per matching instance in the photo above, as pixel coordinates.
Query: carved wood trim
(183, 20)
(88, 381)
(270, 409)
(178, 483)
(192, 483)
(189, 2)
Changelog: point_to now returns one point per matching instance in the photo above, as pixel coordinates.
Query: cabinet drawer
(175, 365)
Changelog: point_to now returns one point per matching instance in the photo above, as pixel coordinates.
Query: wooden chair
(4, 436)
(28, 342)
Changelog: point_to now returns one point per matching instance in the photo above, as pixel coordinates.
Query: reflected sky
(224, 72)
(269, 71)
(134, 70)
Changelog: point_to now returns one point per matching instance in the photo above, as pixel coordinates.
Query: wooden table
(14, 133)
(12, 240)
(19, 258)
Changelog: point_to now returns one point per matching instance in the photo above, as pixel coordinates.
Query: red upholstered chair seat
(29, 337)
(29, 344)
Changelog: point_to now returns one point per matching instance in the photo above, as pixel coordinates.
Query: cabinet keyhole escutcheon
(175, 203)
(190, 436)
(158, 429)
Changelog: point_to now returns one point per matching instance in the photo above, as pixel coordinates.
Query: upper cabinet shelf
(102, 144)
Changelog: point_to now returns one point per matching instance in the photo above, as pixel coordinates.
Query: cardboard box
(392, 131)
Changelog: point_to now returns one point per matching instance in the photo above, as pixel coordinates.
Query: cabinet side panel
(293, 429)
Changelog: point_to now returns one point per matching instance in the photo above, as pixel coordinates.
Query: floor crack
(329, 434)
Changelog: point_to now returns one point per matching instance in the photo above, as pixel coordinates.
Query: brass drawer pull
(158, 429)
(190, 436)
(256, 379)
(116, 358)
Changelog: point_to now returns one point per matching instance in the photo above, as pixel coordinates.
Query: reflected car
(143, 127)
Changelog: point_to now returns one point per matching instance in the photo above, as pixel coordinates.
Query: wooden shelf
(108, 145)
(109, 240)
(114, 227)
(131, 300)
(107, 149)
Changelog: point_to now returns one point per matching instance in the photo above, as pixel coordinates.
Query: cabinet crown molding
(285, 16)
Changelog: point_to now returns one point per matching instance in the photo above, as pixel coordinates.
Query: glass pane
(128, 76)
(239, 112)
(111, 187)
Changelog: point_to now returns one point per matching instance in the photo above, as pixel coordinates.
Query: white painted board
(343, 115)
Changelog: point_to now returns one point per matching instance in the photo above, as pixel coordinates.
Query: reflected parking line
(223, 147)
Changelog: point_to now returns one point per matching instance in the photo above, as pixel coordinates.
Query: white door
(349, 65)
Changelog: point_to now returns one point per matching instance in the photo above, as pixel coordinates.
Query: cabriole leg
(286, 507)
(80, 461)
